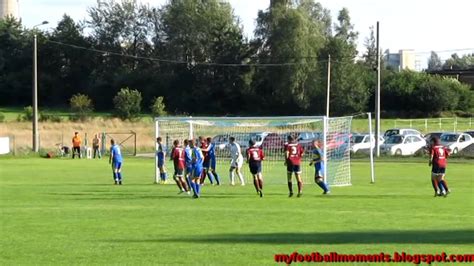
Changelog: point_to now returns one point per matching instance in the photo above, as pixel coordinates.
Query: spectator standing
(76, 145)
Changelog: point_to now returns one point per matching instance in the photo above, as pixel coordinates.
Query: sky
(421, 25)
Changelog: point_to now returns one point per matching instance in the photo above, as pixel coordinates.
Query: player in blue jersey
(196, 163)
(318, 161)
(161, 154)
(210, 161)
(188, 169)
(116, 160)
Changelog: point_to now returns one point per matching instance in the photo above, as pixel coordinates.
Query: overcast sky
(421, 25)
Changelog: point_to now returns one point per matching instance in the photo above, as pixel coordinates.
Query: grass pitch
(64, 211)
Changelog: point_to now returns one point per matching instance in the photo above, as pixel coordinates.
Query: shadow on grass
(112, 195)
(377, 237)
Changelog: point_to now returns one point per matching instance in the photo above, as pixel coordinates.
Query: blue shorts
(188, 169)
(438, 170)
(161, 162)
(117, 165)
(197, 171)
(206, 164)
(290, 168)
(161, 159)
(318, 171)
(213, 163)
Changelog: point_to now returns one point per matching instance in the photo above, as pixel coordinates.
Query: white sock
(231, 177)
(241, 177)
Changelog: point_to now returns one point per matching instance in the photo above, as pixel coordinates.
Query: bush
(2, 117)
(26, 116)
(44, 117)
(127, 103)
(81, 106)
(157, 107)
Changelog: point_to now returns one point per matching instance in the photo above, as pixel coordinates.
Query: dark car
(431, 135)
(273, 141)
(470, 133)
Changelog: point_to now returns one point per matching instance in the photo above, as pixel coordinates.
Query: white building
(9, 8)
(404, 59)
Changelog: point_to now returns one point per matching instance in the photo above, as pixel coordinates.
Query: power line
(106, 53)
(447, 51)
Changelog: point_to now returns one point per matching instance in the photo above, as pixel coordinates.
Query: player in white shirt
(237, 160)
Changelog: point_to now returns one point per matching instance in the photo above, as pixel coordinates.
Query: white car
(360, 143)
(402, 145)
(258, 137)
(401, 131)
(456, 141)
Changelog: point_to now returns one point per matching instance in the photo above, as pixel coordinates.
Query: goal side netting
(270, 133)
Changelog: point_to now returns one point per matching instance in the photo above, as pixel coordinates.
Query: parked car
(273, 141)
(470, 133)
(306, 139)
(401, 131)
(456, 141)
(360, 142)
(241, 138)
(431, 135)
(402, 144)
(258, 137)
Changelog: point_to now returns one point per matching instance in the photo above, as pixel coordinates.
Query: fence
(454, 124)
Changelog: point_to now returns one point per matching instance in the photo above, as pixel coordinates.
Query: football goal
(270, 133)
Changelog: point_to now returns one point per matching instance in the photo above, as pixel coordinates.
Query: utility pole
(328, 93)
(377, 97)
(35, 90)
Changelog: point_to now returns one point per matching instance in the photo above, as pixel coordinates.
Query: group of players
(193, 163)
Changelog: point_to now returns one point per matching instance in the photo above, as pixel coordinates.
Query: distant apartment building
(404, 59)
(8, 8)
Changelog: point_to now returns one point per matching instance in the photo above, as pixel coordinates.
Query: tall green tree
(290, 36)
(370, 55)
(349, 92)
(459, 62)
(434, 62)
(121, 27)
(15, 63)
(65, 70)
(204, 35)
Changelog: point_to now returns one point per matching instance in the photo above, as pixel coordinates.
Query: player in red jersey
(178, 157)
(255, 157)
(438, 163)
(293, 154)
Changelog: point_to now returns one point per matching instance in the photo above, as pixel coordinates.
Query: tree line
(194, 55)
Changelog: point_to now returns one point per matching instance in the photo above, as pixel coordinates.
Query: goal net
(270, 133)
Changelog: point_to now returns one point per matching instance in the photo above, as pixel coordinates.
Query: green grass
(63, 211)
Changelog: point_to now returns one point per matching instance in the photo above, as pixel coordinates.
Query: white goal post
(270, 133)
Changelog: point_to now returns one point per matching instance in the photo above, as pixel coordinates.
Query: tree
(158, 106)
(127, 103)
(349, 91)
(370, 56)
(81, 106)
(345, 29)
(15, 63)
(197, 33)
(67, 70)
(434, 62)
(291, 35)
(459, 63)
(121, 27)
